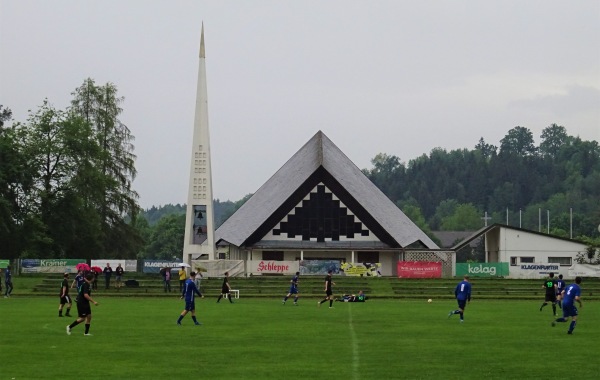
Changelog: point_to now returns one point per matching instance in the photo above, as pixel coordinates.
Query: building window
(513, 261)
(367, 257)
(563, 261)
(528, 259)
(272, 255)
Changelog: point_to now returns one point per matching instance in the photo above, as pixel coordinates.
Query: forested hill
(452, 190)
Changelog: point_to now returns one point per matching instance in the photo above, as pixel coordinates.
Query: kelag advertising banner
(482, 269)
(419, 269)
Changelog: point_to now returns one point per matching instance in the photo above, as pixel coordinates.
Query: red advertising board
(419, 269)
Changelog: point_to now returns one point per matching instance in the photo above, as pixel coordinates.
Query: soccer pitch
(137, 338)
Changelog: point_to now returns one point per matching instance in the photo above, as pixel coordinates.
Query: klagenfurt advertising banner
(482, 269)
(273, 267)
(50, 265)
(419, 269)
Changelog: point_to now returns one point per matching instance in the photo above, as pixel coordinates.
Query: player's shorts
(328, 293)
(462, 304)
(550, 297)
(225, 290)
(65, 299)
(118, 278)
(293, 290)
(190, 305)
(569, 311)
(83, 310)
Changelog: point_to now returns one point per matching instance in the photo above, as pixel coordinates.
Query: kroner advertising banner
(419, 269)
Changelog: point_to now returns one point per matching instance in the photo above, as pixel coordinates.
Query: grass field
(261, 339)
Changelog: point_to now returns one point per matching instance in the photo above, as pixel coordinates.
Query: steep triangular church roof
(320, 161)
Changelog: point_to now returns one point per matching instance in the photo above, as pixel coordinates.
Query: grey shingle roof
(318, 152)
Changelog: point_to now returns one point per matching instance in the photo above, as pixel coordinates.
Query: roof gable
(320, 160)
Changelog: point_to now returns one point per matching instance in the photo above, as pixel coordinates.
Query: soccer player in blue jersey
(550, 286)
(293, 290)
(8, 282)
(560, 286)
(462, 292)
(189, 291)
(571, 294)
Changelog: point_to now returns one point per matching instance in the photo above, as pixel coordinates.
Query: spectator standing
(167, 278)
(462, 292)
(182, 277)
(65, 299)
(197, 280)
(107, 273)
(8, 282)
(119, 275)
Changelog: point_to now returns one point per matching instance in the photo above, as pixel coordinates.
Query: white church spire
(199, 240)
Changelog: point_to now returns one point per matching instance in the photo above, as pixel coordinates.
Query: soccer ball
(430, 300)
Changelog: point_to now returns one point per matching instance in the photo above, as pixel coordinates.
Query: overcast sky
(394, 77)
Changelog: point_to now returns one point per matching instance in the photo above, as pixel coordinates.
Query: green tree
(518, 141)
(115, 198)
(553, 138)
(465, 217)
(166, 238)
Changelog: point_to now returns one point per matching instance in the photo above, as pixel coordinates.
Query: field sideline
(261, 339)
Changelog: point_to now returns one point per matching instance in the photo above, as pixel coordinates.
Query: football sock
(330, 303)
(69, 311)
(230, 299)
(295, 299)
(462, 316)
(219, 299)
(285, 298)
(194, 319)
(544, 304)
(560, 304)
(554, 309)
(180, 318)
(561, 320)
(572, 326)
(73, 324)
(60, 313)
(87, 328)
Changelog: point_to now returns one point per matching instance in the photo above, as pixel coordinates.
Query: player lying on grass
(360, 297)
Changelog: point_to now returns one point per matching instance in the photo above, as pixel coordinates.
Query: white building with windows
(530, 254)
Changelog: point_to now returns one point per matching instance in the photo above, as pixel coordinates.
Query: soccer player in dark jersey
(328, 290)
(8, 282)
(293, 289)
(225, 288)
(462, 292)
(550, 286)
(560, 286)
(571, 294)
(64, 296)
(189, 291)
(84, 309)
